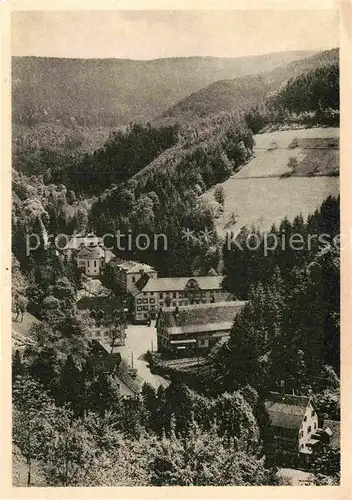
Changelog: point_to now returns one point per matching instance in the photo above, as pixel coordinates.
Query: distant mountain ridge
(243, 92)
(114, 92)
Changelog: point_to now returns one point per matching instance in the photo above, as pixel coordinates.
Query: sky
(154, 34)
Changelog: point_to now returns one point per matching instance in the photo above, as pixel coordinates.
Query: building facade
(79, 241)
(89, 253)
(189, 329)
(92, 260)
(127, 273)
(294, 422)
(176, 292)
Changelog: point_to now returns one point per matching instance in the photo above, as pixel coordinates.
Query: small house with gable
(293, 422)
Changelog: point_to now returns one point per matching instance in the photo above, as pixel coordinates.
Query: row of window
(94, 262)
(161, 304)
(180, 303)
(145, 301)
(145, 308)
(202, 342)
(168, 294)
(312, 415)
(309, 429)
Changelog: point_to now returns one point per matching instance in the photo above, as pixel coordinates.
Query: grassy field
(292, 172)
(23, 327)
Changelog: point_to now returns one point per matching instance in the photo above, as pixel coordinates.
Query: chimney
(293, 392)
(282, 385)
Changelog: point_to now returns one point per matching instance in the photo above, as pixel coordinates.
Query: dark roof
(77, 241)
(334, 425)
(218, 315)
(95, 252)
(286, 410)
(142, 281)
(175, 284)
(131, 266)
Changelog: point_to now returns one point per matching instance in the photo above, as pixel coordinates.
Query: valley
(114, 92)
(138, 363)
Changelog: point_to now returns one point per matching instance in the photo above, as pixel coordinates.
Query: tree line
(289, 331)
(312, 98)
(86, 434)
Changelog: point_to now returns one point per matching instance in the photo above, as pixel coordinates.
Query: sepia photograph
(175, 218)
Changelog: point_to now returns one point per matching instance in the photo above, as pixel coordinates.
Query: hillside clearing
(267, 189)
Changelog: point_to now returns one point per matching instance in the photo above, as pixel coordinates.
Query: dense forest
(152, 181)
(246, 92)
(290, 329)
(114, 92)
(172, 437)
(312, 98)
(164, 197)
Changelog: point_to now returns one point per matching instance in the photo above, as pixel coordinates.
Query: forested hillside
(164, 197)
(244, 92)
(289, 332)
(73, 160)
(151, 178)
(114, 92)
(312, 98)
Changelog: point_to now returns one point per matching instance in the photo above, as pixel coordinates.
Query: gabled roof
(93, 288)
(179, 284)
(286, 410)
(109, 255)
(79, 240)
(95, 252)
(137, 268)
(224, 326)
(131, 266)
(83, 253)
(201, 317)
(142, 281)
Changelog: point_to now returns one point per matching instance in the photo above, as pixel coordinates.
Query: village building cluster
(191, 313)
